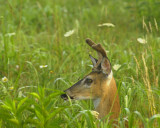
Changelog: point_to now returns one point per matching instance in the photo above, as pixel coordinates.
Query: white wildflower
(95, 114)
(116, 67)
(32, 106)
(20, 94)
(106, 24)
(10, 34)
(141, 40)
(69, 33)
(43, 66)
(17, 66)
(4, 79)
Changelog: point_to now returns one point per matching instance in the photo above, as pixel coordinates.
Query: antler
(90, 42)
(97, 47)
(100, 50)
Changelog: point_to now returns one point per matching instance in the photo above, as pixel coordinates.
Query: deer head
(91, 86)
(98, 85)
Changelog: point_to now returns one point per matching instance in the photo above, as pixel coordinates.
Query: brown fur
(99, 89)
(109, 101)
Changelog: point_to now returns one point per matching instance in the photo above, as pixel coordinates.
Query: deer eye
(88, 81)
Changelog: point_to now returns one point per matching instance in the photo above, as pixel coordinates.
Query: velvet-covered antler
(100, 50)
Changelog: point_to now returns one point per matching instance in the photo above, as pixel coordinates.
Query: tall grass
(32, 36)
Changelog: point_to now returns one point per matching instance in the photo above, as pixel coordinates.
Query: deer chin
(82, 98)
(65, 97)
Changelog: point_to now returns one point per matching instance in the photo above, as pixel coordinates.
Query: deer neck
(109, 102)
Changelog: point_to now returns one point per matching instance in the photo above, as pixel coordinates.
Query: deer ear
(106, 66)
(94, 60)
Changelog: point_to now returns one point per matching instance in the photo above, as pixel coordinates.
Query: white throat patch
(109, 78)
(96, 102)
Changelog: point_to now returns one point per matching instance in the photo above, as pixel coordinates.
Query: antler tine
(100, 49)
(90, 42)
(97, 47)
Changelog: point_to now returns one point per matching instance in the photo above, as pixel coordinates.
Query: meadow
(43, 52)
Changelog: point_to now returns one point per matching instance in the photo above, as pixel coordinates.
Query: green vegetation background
(32, 35)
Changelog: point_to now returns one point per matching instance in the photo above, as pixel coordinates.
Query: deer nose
(64, 96)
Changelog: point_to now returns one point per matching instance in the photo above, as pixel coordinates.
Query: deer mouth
(65, 97)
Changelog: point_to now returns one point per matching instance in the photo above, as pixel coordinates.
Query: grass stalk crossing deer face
(98, 85)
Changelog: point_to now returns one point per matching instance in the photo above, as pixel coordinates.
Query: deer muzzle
(65, 96)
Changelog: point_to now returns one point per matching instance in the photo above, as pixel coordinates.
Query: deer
(99, 85)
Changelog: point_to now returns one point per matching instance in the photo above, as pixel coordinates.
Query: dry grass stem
(156, 25)
(153, 67)
(150, 26)
(137, 67)
(157, 81)
(146, 80)
(145, 26)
